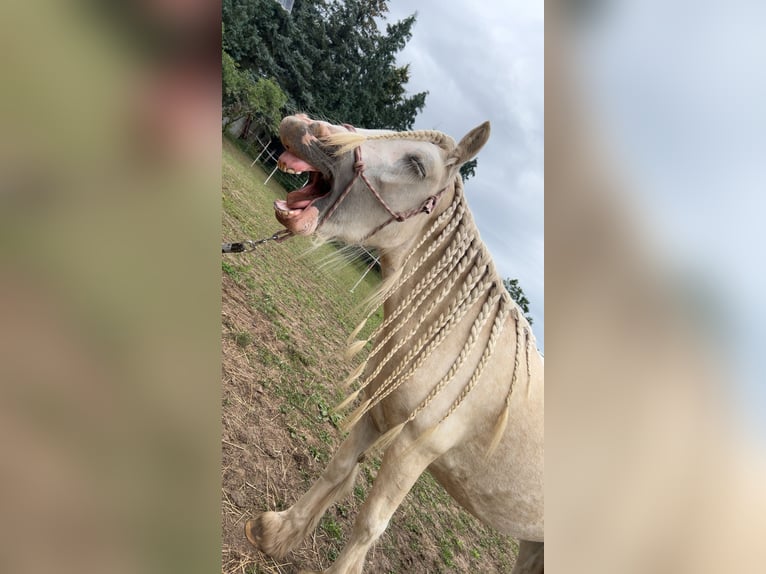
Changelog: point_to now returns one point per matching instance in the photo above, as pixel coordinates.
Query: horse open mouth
(298, 212)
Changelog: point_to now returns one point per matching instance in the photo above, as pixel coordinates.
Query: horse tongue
(301, 198)
(289, 160)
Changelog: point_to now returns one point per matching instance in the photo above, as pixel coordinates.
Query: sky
(679, 88)
(484, 61)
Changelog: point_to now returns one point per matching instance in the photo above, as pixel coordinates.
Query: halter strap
(426, 207)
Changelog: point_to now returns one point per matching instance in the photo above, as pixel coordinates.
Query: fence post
(265, 147)
(271, 174)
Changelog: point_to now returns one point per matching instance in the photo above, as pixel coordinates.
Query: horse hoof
(271, 534)
(253, 531)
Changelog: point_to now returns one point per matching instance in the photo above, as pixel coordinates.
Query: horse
(453, 380)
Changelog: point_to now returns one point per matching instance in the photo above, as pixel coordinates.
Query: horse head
(363, 180)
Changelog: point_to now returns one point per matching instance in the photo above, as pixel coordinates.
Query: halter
(426, 207)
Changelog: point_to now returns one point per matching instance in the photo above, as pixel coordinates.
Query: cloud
(486, 61)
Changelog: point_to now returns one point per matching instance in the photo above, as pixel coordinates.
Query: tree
(261, 99)
(234, 82)
(331, 58)
(468, 169)
(517, 294)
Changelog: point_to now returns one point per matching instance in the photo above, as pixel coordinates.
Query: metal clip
(281, 235)
(250, 245)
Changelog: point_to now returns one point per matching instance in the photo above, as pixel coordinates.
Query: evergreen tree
(330, 57)
(468, 169)
(517, 294)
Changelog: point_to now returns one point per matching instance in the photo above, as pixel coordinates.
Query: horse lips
(297, 221)
(297, 213)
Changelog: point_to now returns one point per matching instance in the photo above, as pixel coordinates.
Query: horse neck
(413, 262)
(393, 260)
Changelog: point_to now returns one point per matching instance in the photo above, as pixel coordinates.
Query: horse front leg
(276, 533)
(399, 471)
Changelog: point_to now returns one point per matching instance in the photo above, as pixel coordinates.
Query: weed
(332, 554)
(413, 527)
(318, 454)
(327, 414)
(242, 339)
(445, 551)
(325, 437)
(341, 510)
(265, 303)
(229, 269)
(332, 529)
(269, 358)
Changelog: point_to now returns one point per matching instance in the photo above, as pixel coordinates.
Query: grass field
(287, 311)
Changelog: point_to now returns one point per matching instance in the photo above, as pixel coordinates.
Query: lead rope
(250, 244)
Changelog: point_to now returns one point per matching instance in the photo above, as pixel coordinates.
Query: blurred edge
(645, 469)
(109, 344)
(110, 286)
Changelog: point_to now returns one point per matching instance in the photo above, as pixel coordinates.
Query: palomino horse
(453, 382)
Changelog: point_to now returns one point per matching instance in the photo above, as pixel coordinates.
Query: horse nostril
(320, 129)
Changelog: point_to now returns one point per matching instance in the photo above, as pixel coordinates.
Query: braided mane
(462, 255)
(348, 141)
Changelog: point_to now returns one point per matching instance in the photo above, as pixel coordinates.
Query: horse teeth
(289, 170)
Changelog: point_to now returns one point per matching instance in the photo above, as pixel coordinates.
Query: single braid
(476, 328)
(528, 337)
(517, 358)
(497, 328)
(435, 137)
(345, 142)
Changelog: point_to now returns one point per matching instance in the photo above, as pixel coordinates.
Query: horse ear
(470, 145)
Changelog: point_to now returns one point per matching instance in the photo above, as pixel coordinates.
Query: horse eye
(417, 165)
